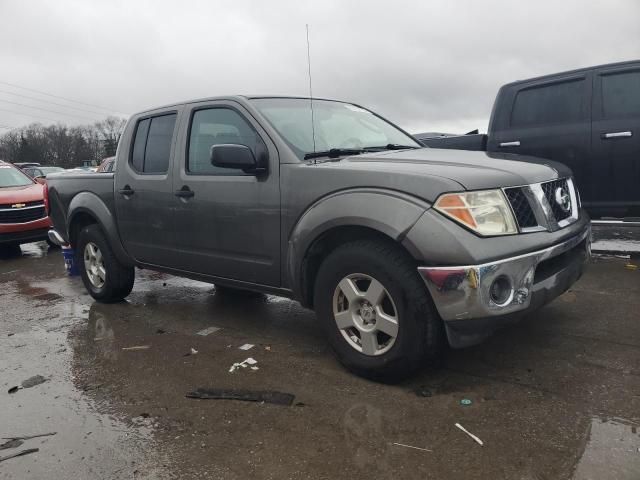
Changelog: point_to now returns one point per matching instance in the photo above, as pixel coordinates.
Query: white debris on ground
(246, 346)
(207, 331)
(476, 439)
(244, 364)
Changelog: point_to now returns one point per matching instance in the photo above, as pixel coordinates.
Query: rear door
(550, 119)
(616, 138)
(227, 221)
(144, 191)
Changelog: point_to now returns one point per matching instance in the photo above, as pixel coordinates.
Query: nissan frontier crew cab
(398, 248)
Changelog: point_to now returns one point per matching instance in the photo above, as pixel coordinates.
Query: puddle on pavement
(88, 443)
(612, 451)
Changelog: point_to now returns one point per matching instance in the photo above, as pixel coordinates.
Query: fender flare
(91, 204)
(389, 212)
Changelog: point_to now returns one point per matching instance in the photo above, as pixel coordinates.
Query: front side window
(216, 126)
(621, 95)
(152, 144)
(12, 177)
(335, 125)
(549, 104)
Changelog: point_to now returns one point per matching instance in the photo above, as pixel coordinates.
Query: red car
(23, 207)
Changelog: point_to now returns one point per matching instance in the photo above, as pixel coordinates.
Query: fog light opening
(501, 291)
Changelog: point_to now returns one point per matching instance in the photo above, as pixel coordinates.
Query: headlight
(486, 212)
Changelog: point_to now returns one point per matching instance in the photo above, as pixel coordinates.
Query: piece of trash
(14, 443)
(193, 351)
(476, 439)
(33, 381)
(631, 266)
(267, 348)
(465, 401)
(10, 334)
(246, 346)
(255, 368)
(19, 454)
(243, 364)
(411, 446)
(423, 392)
(14, 389)
(29, 437)
(208, 331)
(137, 347)
(277, 398)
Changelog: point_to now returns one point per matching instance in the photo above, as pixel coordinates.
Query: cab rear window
(152, 144)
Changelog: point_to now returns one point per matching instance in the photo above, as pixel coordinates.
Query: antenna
(313, 128)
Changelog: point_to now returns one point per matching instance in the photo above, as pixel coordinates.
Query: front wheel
(105, 278)
(378, 315)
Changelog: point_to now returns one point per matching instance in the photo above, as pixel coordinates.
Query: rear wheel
(105, 278)
(378, 315)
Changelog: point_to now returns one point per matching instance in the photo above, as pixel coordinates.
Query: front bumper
(463, 295)
(25, 236)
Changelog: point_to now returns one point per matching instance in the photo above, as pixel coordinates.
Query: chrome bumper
(461, 293)
(56, 238)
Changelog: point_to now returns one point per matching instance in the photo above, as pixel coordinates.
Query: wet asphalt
(554, 397)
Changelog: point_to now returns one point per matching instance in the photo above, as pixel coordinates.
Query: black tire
(420, 329)
(53, 246)
(119, 278)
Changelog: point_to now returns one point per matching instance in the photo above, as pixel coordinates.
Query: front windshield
(337, 125)
(12, 177)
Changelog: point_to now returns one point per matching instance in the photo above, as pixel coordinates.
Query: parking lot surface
(554, 397)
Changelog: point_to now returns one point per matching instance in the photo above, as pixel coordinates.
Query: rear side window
(549, 104)
(216, 126)
(621, 95)
(152, 144)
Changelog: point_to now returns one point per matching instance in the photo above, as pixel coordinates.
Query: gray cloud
(427, 65)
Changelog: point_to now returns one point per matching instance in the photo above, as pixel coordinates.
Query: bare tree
(111, 129)
(61, 145)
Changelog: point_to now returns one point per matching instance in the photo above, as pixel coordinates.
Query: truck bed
(64, 187)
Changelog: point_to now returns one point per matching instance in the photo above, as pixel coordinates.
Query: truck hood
(22, 194)
(472, 170)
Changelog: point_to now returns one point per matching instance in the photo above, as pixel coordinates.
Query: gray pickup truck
(399, 249)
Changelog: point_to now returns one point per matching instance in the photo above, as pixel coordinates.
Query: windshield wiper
(334, 153)
(390, 146)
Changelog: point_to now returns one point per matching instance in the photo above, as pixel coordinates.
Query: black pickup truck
(588, 119)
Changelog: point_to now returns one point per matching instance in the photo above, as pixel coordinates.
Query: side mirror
(234, 156)
(41, 179)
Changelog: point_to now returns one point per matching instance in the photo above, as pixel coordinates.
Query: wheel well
(327, 243)
(79, 221)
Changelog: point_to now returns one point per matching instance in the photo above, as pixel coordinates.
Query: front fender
(92, 205)
(388, 212)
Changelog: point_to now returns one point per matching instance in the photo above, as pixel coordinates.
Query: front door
(143, 189)
(616, 139)
(228, 221)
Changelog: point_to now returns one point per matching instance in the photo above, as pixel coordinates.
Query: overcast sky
(426, 65)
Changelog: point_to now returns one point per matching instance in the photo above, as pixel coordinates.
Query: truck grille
(521, 208)
(30, 212)
(536, 206)
(549, 189)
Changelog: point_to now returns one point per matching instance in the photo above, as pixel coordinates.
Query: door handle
(185, 192)
(515, 143)
(617, 134)
(126, 191)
